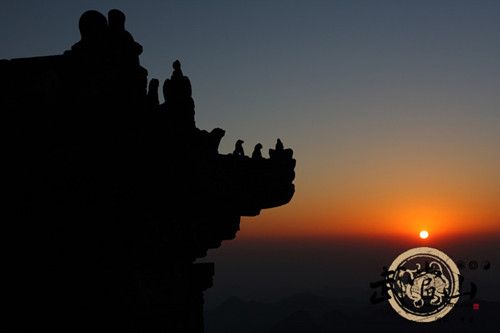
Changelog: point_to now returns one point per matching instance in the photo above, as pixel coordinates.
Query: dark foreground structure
(111, 196)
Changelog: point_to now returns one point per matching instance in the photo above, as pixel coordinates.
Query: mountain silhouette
(308, 312)
(298, 322)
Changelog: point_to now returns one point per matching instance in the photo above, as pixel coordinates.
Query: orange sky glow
(389, 187)
(398, 218)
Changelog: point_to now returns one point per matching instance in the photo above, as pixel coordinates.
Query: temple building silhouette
(112, 196)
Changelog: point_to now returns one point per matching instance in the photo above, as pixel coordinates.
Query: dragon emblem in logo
(424, 285)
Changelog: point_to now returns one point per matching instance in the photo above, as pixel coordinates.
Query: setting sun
(424, 234)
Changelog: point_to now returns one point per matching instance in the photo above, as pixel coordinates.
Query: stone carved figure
(123, 49)
(178, 101)
(257, 154)
(279, 152)
(153, 92)
(178, 86)
(238, 148)
(92, 26)
(279, 145)
(108, 56)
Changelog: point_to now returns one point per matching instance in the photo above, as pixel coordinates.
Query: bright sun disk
(424, 234)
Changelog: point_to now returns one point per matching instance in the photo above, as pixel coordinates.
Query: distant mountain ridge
(309, 312)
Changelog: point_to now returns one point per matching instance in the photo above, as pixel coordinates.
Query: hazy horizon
(266, 270)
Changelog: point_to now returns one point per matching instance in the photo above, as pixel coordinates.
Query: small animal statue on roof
(123, 48)
(238, 148)
(257, 154)
(279, 152)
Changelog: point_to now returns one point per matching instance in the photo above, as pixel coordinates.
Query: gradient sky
(392, 107)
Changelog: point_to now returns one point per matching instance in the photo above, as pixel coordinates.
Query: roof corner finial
(177, 65)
